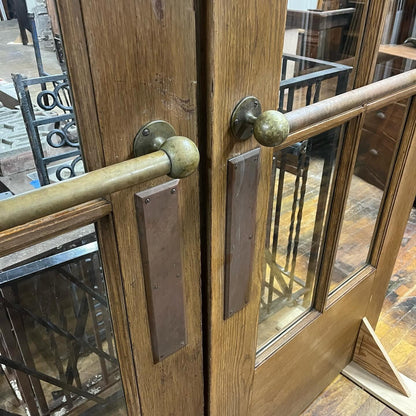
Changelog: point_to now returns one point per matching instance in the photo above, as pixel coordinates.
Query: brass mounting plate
(151, 136)
(241, 123)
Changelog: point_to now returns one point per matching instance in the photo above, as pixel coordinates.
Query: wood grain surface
(370, 354)
(132, 62)
(48, 227)
(243, 42)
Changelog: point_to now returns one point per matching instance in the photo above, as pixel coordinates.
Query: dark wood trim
(368, 51)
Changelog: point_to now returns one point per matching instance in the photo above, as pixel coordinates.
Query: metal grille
(61, 142)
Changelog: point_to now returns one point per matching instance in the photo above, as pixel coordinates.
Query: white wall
(302, 4)
(31, 4)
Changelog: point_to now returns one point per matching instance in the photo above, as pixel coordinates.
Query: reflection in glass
(378, 144)
(39, 138)
(397, 51)
(56, 330)
(300, 188)
(320, 50)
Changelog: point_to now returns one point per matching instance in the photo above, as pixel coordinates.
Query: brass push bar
(178, 157)
(271, 128)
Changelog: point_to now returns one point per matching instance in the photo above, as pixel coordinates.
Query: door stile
(73, 32)
(116, 298)
(345, 170)
(244, 42)
(140, 66)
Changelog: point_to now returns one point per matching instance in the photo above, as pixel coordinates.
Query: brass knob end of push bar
(270, 128)
(160, 135)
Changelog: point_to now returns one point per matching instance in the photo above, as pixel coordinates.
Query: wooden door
(129, 63)
(257, 364)
(190, 63)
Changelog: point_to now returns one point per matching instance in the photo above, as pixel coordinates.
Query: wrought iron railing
(309, 73)
(282, 287)
(62, 143)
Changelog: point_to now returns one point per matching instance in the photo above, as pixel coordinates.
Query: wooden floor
(397, 332)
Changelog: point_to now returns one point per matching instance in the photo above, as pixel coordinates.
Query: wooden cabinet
(381, 132)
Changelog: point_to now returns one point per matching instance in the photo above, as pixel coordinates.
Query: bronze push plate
(242, 182)
(160, 242)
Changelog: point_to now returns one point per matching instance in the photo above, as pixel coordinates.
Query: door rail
(348, 101)
(273, 129)
(52, 225)
(178, 157)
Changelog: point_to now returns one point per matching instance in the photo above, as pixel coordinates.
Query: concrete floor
(18, 58)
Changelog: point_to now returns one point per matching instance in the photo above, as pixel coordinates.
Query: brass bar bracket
(270, 128)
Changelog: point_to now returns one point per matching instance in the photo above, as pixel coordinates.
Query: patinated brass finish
(151, 137)
(57, 197)
(160, 135)
(269, 128)
(183, 154)
(243, 117)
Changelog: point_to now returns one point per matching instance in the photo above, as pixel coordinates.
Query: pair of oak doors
(304, 233)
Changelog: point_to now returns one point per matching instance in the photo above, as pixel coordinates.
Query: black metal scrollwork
(71, 170)
(59, 97)
(56, 100)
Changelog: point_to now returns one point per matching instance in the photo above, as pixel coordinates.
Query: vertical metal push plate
(242, 183)
(160, 241)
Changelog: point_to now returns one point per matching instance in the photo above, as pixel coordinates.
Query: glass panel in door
(380, 137)
(297, 214)
(57, 347)
(320, 50)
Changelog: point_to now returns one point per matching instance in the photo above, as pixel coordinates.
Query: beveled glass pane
(397, 51)
(320, 50)
(380, 136)
(297, 213)
(56, 329)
